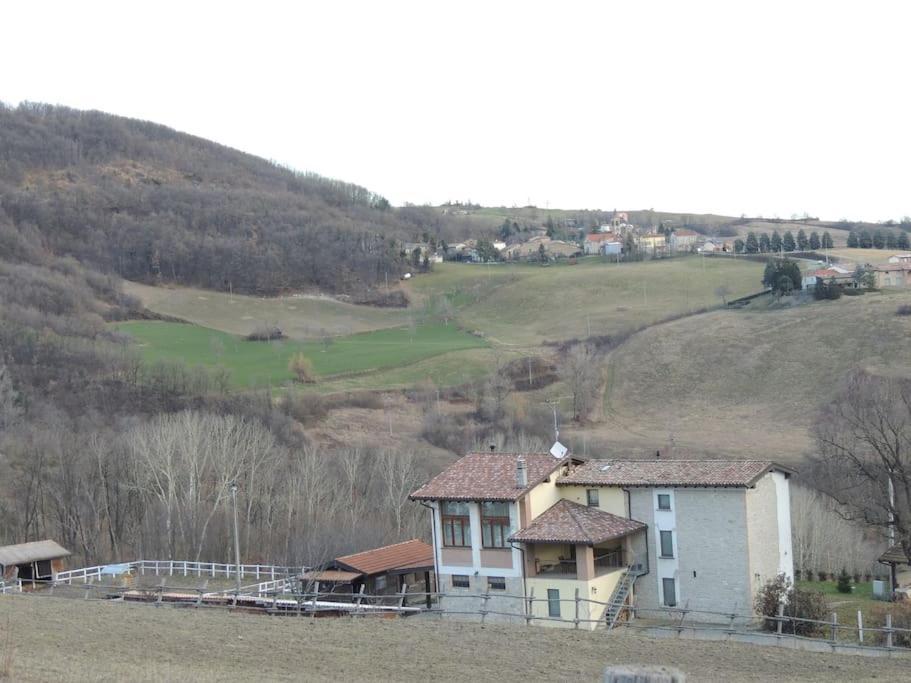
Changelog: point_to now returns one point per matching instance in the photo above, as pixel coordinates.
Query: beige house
(508, 527)
(684, 240)
(893, 275)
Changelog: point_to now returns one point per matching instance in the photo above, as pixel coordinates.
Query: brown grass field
(58, 639)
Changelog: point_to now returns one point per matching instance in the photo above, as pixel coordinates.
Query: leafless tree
(864, 462)
(580, 371)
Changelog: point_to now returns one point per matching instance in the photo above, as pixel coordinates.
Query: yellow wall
(610, 499)
(543, 496)
(603, 589)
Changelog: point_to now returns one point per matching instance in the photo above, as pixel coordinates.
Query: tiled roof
(36, 551)
(487, 476)
(729, 473)
(685, 233)
(894, 554)
(569, 522)
(408, 554)
(331, 576)
(601, 237)
(892, 267)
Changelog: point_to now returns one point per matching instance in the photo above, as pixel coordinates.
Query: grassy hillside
(254, 364)
(104, 641)
(748, 382)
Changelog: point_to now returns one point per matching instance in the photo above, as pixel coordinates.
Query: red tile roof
(569, 522)
(487, 476)
(331, 576)
(685, 233)
(406, 555)
(716, 473)
(602, 237)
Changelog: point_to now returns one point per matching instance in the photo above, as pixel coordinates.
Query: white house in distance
(602, 243)
(702, 533)
(683, 240)
(904, 259)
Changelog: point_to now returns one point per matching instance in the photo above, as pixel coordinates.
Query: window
(460, 581)
(664, 501)
(496, 583)
(553, 602)
(592, 498)
(380, 583)
(667, 543)
(670, 593)
(494, 525)
(456, 524)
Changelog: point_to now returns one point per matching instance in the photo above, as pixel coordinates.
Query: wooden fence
(181, 568)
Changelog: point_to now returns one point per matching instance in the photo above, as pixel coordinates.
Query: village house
(683, 240)
(897, 274)
(602, 243)
(706, 534)
(653, 242)
(833, 274)
(712, 246)
(900, 258)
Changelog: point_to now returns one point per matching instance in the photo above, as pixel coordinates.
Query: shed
(35, 561)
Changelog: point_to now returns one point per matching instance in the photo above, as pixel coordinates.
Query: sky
(758, 108)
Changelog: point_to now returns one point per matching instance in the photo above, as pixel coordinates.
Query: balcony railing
(610, 560)
(556, 567)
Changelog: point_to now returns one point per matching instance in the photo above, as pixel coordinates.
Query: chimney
(521, 473)
(657, 455)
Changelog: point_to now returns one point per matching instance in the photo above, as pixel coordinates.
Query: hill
(154, 205)
(748, 382)
(117, 641)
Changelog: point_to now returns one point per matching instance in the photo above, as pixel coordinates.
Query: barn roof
(36, 551)
(413, 554)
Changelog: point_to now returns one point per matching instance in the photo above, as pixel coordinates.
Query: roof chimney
(521, 473)
(657, 455)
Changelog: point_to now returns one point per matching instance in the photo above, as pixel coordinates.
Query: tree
(542, 254)
(738, 246)
(487, 252)
(580, 371)
(751, 245)
(765, 244)
(827, 242)
(879, 239)
(866, 239)
(863, 442)
(781, 276)
(798, 603)
(853, 240)
(902, 242)
(814, 241)
(302, 367)
(775, 241)
(844, 581)
(891, 239)
(723, 292)
(9, 399)
(787, 243)
(802, 241)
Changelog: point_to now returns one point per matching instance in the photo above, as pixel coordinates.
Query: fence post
(780, 617)
(834, 626)
(313, 605)
(402, 597)
(171, 568)
(360, 596)
(530, 606)
(576, 620)
(160, 590)
(889, 630)
(87, 587)
(860, 626)
(484, 605)
(273, 572)
(184, 567)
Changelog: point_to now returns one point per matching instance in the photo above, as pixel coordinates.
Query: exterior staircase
(618, 598)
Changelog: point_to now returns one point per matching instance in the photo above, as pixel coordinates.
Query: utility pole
(236, 533)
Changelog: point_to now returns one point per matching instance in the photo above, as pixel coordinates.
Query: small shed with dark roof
(34, 561)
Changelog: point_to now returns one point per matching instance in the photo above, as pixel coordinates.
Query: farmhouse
(833, 274)
(683, 240)
(602, 243)
(713, 246)
(653, 241)
(706, 534)
(893, 274)
(900, 258)
(35, 561)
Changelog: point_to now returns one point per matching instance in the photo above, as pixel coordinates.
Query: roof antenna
(657, 455)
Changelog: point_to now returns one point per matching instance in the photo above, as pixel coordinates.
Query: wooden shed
(35, 561)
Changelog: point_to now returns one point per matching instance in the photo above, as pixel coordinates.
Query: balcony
(563, 562)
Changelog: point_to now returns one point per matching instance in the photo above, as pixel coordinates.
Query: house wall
(542, 496)
(710, 538)
(610, 499)
(762, 531)
(476, 560)
(510, 603)
(599, 588)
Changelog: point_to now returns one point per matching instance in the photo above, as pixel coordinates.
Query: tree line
(766, 243)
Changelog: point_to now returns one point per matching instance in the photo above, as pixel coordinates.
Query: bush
(302, 367)
(799, 603)
(822, 576)
(265, 333)
(901, 618)
(844, 581)
(904, 309)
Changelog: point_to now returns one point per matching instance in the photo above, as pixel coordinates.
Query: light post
(236, 534)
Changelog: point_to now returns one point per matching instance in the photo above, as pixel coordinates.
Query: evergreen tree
(902, 241)
(814, 241)
(853, 241)
(879, 239)
(802, 241)
(775, 242)
(788, 243)
(765, 243)
(827, 242)
(752, 245)
(891, 241)
(738, 246)
(866, 239)
(844, 581)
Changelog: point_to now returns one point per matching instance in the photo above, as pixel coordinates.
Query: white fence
(7, 588)
(180, 568)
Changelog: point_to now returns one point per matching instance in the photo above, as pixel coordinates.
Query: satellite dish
(558, 450)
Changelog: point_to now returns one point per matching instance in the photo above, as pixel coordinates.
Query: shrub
(844, 581)
(856, 577)
(821, 575)
(901, 618)
(302, 367)
(797, 575)
(799, 603)
(904, 309)
(266, 333)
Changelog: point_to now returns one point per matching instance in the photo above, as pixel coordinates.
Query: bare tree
(864, 462)
(579, 370)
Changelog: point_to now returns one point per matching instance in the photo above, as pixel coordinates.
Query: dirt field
(71, 640)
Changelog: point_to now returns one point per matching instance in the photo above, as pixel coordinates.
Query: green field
(254, 364)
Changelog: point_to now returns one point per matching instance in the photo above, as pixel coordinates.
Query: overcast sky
(730, 107)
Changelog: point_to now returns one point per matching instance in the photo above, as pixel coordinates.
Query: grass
(64, 639)
(749, 382)
(872, 256)
(846, 605)
(522, 305)
(253, 364)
